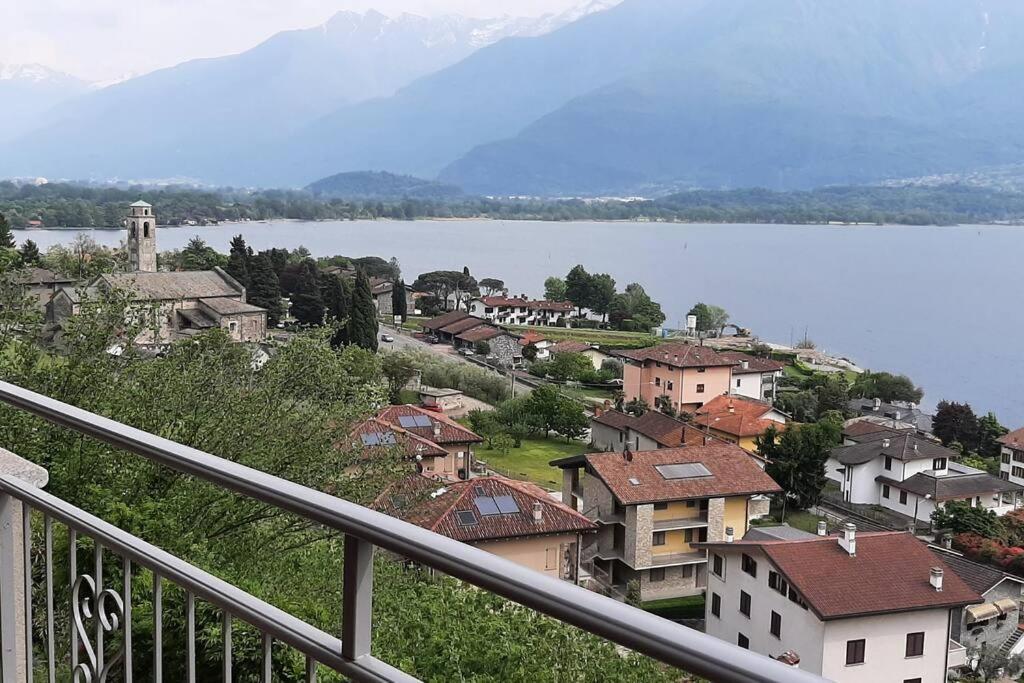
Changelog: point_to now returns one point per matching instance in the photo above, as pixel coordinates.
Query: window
(700, 388)
(691, 503)
(716, 604)
(749, 565)
(1005, 458)
(1018, 472)
(688, 536)
(135, 232)
(701, 369)
(233, 326)
(776, 626)
(854, 652)
(687, 571)
(661, 506)
(657, 575)
(776, 582)
(888, 463)
(659, 538)
(939, 464)
(915, 644)
(885, 490)
(911, 680)
(145, 229)
(743, 641)
(1018, 456)
(551, 558)
(657, 381)
(718, 566)
(745, 604)
(668, 385)
(1005, 476)
(903, 497)
(739, 382)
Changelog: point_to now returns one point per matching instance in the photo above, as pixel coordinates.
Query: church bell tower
(141, 238)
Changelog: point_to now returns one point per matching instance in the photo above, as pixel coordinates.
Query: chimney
(822, 528)
(729, 534)
(627, 454)
(437, 429)
(877, 404)
(898, 415)
(947, 542)
(538, 512)
(848, 541)
(885, 443)
(915, 449)
(936, 579)
(745, 364)
(732, 408)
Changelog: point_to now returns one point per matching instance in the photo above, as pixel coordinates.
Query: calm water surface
(939, 304)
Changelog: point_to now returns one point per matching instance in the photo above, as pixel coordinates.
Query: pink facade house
(688, 375)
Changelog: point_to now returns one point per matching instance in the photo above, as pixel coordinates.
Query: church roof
(195, 284)
(224, 306)
(141, 203)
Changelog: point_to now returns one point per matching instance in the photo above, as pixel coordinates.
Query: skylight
(689, 470)
(466, 518)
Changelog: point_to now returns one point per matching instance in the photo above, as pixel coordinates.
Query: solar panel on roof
(486, 505)
(407, 421)
(423, 421)
(387, 438)
(506, 504)
(466, 518)
(371, 439)
(688, 470)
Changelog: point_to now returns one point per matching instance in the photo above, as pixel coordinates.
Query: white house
(503, 310)
(1011, 457)
(754, 377)
(853, 609)
(913, 475)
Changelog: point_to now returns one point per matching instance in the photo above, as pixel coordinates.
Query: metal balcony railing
(99, 612)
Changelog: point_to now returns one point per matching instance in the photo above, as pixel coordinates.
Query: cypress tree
(362, 321)
(264, 289)
(238, 261)
(29, 253)
(398, 302)
(6, 236)
(336, 298)
(307, 303)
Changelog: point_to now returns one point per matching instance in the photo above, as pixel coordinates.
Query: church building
(182, 304)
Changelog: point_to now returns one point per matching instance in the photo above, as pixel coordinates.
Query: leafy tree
(398, 299)
(440, 283)
(362, 322)
(956, 422)
(482, 348)
(602, 292)
(991, 663)
(307, 302)
(959, 517)
(238, 260)
(636, 407)
(6, 236)
(555, 289)
(263, 289)
(398, 369)
(833, 394)
(492, 285)
(579, 287)
(570, 366)
(989, 431)
(530, 352)
(198, 255)
(28, 252)
(709, 318)
(796, 460)
(83, 258)
(337, 298)
(886, 386)
(557, 412)
(633, 309)
(376, 267)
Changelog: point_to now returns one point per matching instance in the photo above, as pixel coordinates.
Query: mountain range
(643, 97)
(27, 91)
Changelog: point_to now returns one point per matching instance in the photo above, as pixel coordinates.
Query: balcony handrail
(282, 626)
(633, 628)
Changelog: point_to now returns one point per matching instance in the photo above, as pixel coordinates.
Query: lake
(937, 303)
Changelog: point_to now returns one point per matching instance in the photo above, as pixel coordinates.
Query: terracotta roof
(667, 431)
(731, 472)
(443, 320)
(531, 338)
(678, 355)
(901, 446)
(754, 363)
(552, 305)
(410, 444)
(736, 416)
(865, 427)
(453, 510)
(504, 301)
(194, 284)
(462, 325)
(570, 346)
(480, 333)
(1014, 439)
(447, 430)
(889, 573)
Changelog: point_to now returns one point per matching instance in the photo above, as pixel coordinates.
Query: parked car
(387, 338)
(466, 352)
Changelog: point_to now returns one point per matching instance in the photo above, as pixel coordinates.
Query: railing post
(357, 594)
(14, 596)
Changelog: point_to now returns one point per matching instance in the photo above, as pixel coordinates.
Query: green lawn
(410, 397)
(798, 519)
(690, 607)
(530, 461)
(611, 339)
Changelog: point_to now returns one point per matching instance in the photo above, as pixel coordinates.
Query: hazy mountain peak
(35, 73)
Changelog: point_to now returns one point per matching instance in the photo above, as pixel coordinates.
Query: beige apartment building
(687, 374)
(654, 507)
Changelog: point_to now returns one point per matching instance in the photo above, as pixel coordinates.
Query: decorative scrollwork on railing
(108, 608)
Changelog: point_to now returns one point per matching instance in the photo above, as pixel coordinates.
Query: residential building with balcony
(754, 377)
(503, 310)
(857, 608)
(912, 476)
(442, 447)
(689, 375)
(613, 430)
(1011, 456)
(654, 507)
(739, 420)
(513, 519)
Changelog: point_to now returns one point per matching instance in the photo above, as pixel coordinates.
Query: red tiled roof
(410, 444)
(443, 320)
(480, 333)
(552, 305)
(862, 427)
(462, 325)
(678, 355)
(754, 364)
(570, 346)
(1014, 439)
(667, 431)
(889, 573)
(733, 473)
(736, 416)
(443, 429)
(430, 505)
(531, 338)
(504, 301)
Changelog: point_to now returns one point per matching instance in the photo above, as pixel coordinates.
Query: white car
(387, 338)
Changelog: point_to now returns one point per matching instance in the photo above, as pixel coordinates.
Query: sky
(106, 40)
